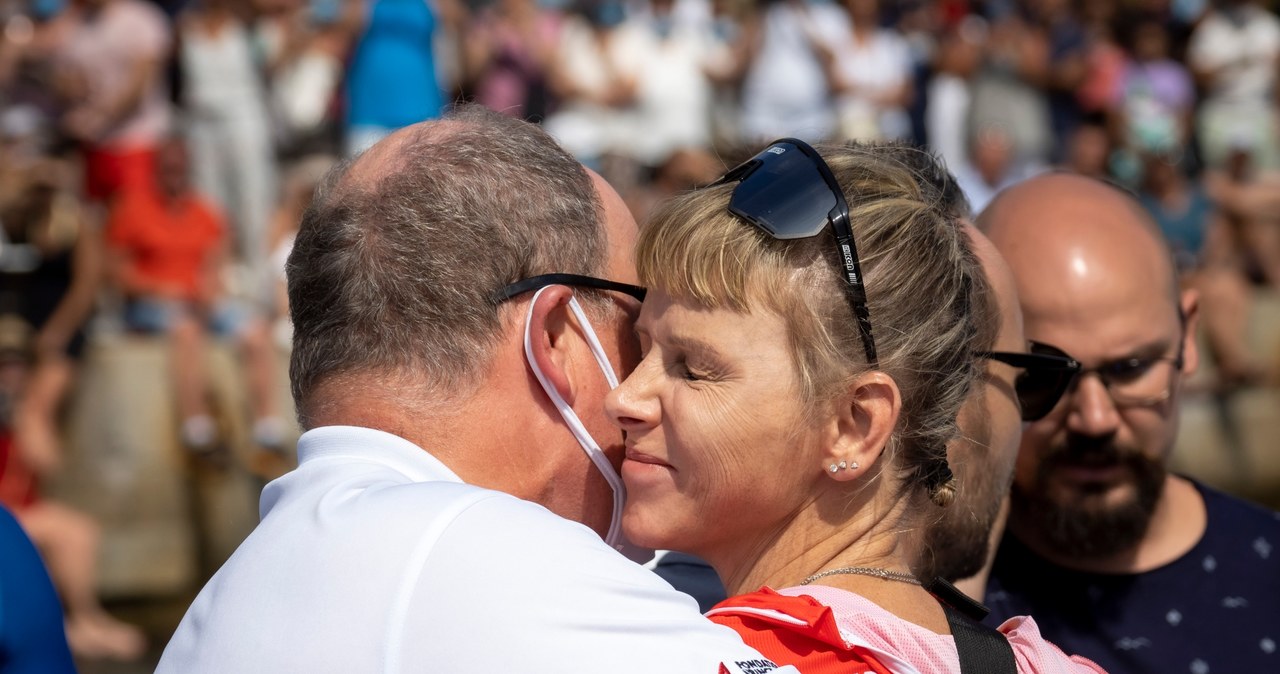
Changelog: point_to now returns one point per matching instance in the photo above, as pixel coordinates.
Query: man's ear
(865, 418)
(1190, 307)
(549, 326)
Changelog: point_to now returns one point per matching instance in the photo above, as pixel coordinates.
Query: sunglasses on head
(789, 192)
(1043, 380)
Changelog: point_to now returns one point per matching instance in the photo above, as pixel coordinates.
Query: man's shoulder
(485, 512)
(1234, 522)
(1221, 505)
(364, 486)
(361, 491)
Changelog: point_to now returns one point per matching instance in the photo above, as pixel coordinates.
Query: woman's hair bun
(941, 483)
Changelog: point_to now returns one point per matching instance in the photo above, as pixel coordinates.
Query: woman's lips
(643, 471)
(641, 457)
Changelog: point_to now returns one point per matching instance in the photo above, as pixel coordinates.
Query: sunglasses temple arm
(854, 289)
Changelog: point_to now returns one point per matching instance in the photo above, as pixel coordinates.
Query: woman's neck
(822, 535)
(852, 536)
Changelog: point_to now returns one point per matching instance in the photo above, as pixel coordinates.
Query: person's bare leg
(188, 349)
(1262, 237)
(35, 420)
(1227, 302)
(259, 357)
(68, 541)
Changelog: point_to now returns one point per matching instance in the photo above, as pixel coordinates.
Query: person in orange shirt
(166, 250)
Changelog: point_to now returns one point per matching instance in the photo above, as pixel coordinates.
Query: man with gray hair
(444, 287)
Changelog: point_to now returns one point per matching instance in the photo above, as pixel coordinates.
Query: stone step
(168, 521)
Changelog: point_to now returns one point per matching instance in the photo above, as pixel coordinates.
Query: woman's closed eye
(697, 368)
(689, 373)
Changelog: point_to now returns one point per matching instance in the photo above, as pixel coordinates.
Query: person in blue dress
(32, 640)
(392, 81)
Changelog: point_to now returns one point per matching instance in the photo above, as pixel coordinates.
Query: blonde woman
(789, 419)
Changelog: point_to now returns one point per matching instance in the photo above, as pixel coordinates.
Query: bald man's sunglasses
(789, 192)
(1045, 377)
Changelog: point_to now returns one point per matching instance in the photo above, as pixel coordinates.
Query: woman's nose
(632, 406)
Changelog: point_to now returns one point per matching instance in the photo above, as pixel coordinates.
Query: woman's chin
(645, 530)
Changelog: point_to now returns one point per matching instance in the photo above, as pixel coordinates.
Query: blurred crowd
(155, 157)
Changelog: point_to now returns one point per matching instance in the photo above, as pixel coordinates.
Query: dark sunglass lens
(1039, 390)
(786, 195)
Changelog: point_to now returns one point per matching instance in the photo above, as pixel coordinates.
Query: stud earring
(843, 465)
(833, 468)
(853, 466)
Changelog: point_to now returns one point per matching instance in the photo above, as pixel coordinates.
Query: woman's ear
(549, 326)
(865, 418)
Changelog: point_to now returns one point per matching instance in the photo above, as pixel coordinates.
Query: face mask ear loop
(594, 342)
(614, 536)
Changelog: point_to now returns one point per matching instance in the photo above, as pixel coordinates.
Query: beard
(1078, 521)
(957, 543)
(956, 546)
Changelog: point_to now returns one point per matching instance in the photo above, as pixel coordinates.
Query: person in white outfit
(228, 127)
(789, 73)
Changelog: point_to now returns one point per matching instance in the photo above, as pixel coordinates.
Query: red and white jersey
(823, 630)
(803, 632)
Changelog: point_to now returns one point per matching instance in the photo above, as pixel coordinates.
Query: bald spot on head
(1079, 245)
(388, 156)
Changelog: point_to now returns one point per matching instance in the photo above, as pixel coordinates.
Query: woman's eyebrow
(693, 345)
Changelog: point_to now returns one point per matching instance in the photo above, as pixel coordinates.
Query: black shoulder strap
(982, 650)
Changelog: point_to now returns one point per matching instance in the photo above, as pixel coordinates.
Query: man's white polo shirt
(373, 556)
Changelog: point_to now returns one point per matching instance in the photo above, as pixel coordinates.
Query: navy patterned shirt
(1215, 610)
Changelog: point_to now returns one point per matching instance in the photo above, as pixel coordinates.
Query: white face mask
(614, 537)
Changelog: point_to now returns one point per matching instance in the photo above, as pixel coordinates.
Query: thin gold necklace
(883, 574)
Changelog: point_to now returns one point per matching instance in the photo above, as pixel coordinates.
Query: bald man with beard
(1119, 560)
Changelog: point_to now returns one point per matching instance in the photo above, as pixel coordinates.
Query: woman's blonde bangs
(695, 249)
